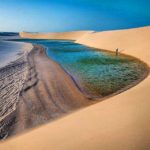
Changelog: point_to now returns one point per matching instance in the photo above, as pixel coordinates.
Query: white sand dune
(135, 42)
(121, 122)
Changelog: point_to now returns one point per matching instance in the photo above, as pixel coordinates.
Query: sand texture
(118, 123)
(12, 79)
(48, 93)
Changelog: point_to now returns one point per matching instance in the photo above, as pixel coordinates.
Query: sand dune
(64, 35)
(133, 42)
(121, 122)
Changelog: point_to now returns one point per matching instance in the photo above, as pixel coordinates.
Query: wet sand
(12, 78)
(48, 93)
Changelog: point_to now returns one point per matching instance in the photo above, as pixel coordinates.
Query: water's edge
(8, 120)
(90, 97)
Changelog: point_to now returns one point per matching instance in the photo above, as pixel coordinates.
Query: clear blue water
(9, 51)
(98, 73)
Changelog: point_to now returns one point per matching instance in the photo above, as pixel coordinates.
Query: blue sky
(67, 15)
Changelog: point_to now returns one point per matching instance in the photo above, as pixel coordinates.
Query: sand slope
(118, 123)
(64, 35)
(135, 42)
(48, 93)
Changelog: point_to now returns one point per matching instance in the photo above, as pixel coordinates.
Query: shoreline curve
(121, 122)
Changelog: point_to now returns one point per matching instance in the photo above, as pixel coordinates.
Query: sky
(68, 15)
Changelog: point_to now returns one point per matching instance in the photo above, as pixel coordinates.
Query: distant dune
(62, 35)
(121, 122)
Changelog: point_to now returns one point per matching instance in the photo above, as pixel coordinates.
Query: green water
(97, 73)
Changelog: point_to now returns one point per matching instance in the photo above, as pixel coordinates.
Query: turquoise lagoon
(96, 72)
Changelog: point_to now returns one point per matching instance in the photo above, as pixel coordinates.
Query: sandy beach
(51, 92)
(120, 122)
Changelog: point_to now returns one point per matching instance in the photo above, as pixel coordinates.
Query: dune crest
(74, 35)
(133, 42)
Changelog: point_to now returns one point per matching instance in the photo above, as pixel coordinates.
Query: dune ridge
(74, 35)
(120, 122)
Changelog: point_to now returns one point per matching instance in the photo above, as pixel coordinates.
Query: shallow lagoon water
(97, 73)
(9, 51)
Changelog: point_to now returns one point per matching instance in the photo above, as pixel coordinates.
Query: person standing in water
(117, 52)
